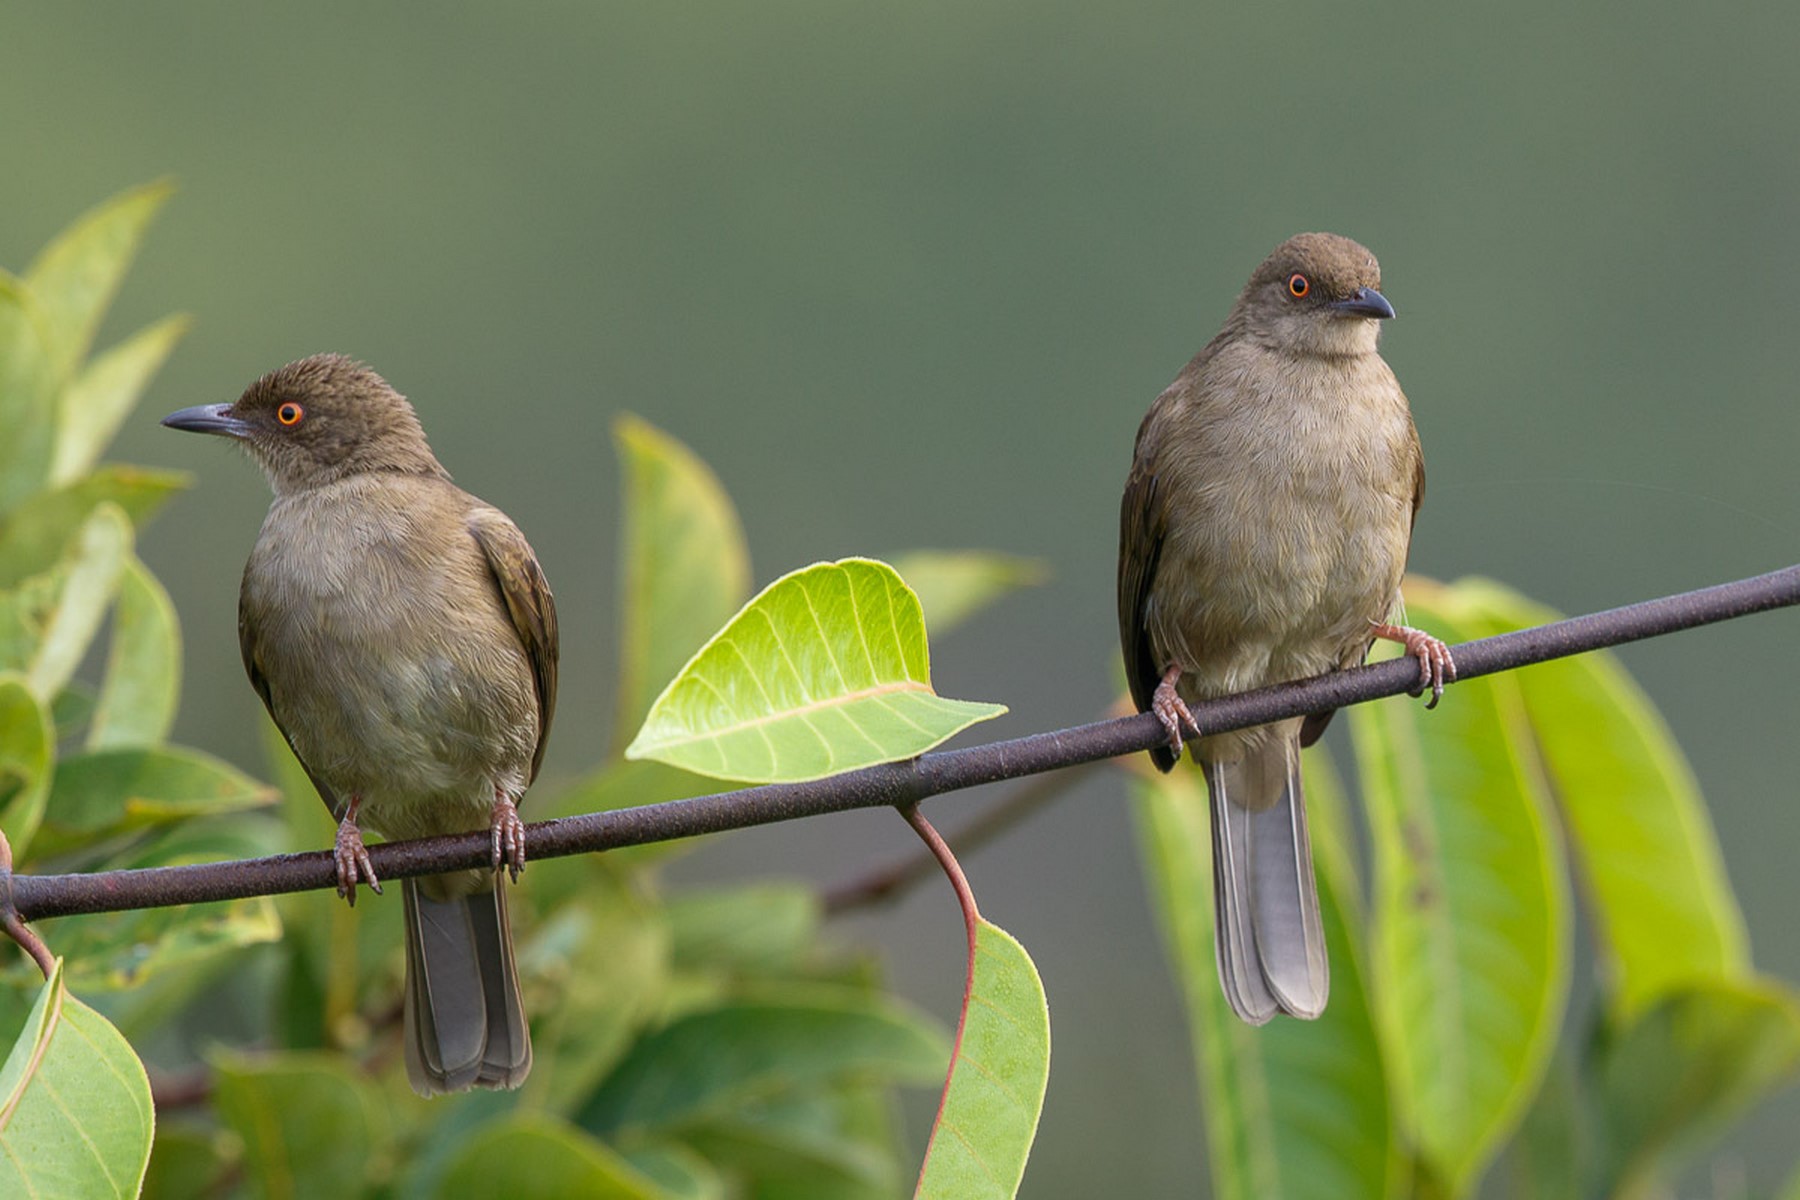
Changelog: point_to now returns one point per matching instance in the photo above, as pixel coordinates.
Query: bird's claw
(353, 865)
(1436, 666)
(508, 836)
(1172, 710)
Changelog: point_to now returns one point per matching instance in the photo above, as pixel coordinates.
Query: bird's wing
(1142, 523)
(528, 602)
(247, 646)
(1418, 454)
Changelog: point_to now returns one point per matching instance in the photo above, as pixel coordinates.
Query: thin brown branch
(901, 783)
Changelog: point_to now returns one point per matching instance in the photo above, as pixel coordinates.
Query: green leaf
(310, 1125)
(685, 566)
(186, 1161)
(707, 1063)
(677, 1170)
(1691, 1062)
(27, 394)
(27, 762)
(1661, 901)
(117, 951)
(75, 1113)
(785, 1163)
(71, 709)
(990, 1109)
(826, 670)
(1472, 918)
(763, 928)
(1296, 1108)
(89, 577)
(954, 585)
(97, 402)
(156, 946)
(35, 537)
(535, 1157)
(1552, 1154)
(76, 276)
(112, 791)
(588, 1029)
(143, 671)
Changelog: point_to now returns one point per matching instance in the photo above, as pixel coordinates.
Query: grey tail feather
(1269, 939)
(465, 1026)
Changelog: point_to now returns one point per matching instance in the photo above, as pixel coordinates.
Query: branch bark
(34, 897)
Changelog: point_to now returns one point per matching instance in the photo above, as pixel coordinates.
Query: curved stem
(14, 924)
(965, 897)
(896, 878)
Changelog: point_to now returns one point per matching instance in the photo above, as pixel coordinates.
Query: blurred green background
(908, 275)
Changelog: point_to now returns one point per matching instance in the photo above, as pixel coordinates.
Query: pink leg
(1435, 664)
(352, 859)
(1172, 710)
(509, 835)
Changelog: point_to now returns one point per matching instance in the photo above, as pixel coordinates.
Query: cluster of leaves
(1446, 1048)
(87, 780)
(698, 1044)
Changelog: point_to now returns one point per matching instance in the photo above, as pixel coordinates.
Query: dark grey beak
(1364, 302)
(208, 418)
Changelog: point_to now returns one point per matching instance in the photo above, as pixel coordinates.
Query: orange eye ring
(289, 413)
(1298, 285)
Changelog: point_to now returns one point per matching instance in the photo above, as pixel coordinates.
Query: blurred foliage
(1438, 1056)
(704, 1044)
(714, 1044)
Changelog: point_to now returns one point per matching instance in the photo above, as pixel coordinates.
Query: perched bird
(1262, 538)
(402, 636)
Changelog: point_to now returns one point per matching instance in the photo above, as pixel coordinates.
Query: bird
(403, 638)
(1263, 534)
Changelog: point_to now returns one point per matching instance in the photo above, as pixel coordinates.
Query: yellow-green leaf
(990, 1110)
(1295, 1109)
(1471, 913)
(76, 276)
(685, 567)
(98, 400)
(27, 760)
(27, 394)
(143, 670)
(75, 1113)
(105, 792)
(34, 538)
(1661, 903)
(826, 670)
(88, 579)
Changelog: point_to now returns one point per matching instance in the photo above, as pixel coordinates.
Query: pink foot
(1172, 710)
(508, 834)
(353, 863)
(1435, 664)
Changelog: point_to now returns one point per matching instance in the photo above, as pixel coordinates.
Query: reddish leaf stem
(965, 896)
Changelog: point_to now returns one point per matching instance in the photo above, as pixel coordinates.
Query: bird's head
(1317, 294)
(318, 420)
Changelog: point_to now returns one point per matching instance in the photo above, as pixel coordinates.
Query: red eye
(1297, 285)
(290, 414)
